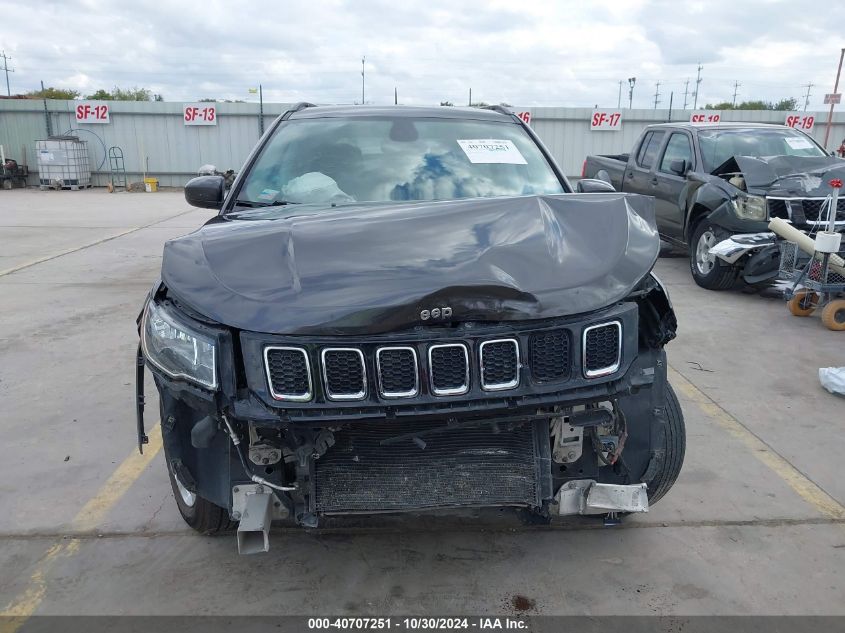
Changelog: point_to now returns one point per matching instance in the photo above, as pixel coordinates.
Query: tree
(53, 93)
(446, 103)
(124, 94)
(787, 104)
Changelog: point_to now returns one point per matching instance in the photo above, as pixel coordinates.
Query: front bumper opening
(467, 466)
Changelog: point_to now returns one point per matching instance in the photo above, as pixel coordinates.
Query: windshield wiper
(261, 205)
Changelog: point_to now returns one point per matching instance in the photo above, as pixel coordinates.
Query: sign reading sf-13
(199, 114)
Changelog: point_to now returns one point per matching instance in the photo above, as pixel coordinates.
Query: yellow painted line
(88, 518)
(93, 512)
(808, 490)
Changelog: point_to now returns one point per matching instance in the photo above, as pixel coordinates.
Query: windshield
(717, 146)
(335, 160)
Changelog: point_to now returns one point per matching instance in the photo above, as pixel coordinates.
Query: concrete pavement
(755, 524)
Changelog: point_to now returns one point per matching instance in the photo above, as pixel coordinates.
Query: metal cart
(816, 281)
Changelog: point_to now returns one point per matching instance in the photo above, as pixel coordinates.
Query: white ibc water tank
(64, 159)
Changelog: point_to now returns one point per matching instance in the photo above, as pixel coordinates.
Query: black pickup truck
(409, 309)
(720, 185)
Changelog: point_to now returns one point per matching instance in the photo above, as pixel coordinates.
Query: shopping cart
(817, 280)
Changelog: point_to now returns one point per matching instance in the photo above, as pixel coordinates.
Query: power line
(656, 94)
(736, 91)
(7, 70)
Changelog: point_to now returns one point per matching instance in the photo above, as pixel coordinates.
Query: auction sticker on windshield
(492, 151)
(799, 143)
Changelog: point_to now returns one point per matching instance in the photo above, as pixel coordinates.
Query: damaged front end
(792, 188)
(552, 414)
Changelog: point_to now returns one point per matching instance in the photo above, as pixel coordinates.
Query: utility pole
(363, 78)
(736, 91)
(697, 87)
(619, 99)
(631, 82)
(260, 111)
(7, 71)
(835, 88)
(395, 95)
(807, 96)
(686, 92)
(656, 94)
(671, 99)
(47, 114)
(470, 97)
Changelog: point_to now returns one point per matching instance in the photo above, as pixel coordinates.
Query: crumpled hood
(791, 175)
(370, 269)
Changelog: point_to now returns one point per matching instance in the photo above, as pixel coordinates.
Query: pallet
(66, 187)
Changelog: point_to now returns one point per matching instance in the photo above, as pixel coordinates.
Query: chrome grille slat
(344, 373)
(448, 365)
(808, 208)
(288, 373)
(602, 349)
(499, 364)
(392, 365)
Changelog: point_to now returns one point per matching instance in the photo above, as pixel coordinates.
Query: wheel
(202, 515)
(675, 447)
(709, 271)
(803, 303)
(833, 315)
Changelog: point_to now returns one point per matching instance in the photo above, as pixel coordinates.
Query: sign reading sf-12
(199, 114)
(604, 120)
(801, 121)
(92, 112)
(705, 117)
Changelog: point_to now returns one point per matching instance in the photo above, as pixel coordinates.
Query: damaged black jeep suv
(409, 309)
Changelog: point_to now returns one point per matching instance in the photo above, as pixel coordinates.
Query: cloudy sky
(523, 53)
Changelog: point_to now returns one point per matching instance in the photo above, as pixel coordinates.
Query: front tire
(675, 444)
(200, 514)
(707, 270)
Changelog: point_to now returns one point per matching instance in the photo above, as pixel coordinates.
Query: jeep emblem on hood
(436, 313)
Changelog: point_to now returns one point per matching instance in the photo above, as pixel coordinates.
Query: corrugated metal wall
(155, 140)
(566, 131)
(152, 135)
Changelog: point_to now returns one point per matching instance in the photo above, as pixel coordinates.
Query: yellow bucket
(151, 184)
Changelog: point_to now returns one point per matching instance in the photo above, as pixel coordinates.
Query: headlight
(177, 350)
(750, 207)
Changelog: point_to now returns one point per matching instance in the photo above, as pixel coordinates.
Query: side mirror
(206, 192)
(678, 166)
(593, 185)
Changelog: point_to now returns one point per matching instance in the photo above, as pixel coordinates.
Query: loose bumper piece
(733, 248)
(586, 496)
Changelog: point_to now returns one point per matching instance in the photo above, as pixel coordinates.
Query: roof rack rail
(499, 108)
(296, 108)
(505, 110)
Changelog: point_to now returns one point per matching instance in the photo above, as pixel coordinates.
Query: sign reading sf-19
(199, 114)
